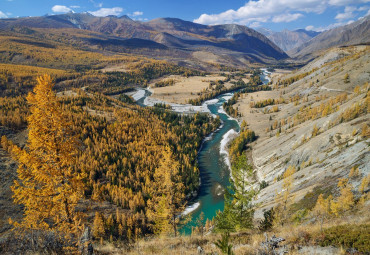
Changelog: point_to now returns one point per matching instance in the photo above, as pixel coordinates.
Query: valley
(166, 136)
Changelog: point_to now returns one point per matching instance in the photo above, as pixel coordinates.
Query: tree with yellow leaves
(322, 208)
(168, 195)
(284, 197)
(98, 229)
(364, 186)
(48, 185)
(346, 199)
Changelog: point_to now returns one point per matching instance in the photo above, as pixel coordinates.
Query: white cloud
(75, 6)
(61, 8)
(363, 8)
(103, 12)
(286, 17)
(347, 14)
(137, 13)
(321, 29)
(271, 10)
(266, 9)
(347, 2)
(255, 24)
(141, 19)
(310, 28)
(3, 15)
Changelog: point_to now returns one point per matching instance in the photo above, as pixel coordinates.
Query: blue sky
(273, 14)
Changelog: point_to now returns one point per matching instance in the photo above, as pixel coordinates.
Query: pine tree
(238, 212)
(243, 210)
(48, 184)
(224, 245)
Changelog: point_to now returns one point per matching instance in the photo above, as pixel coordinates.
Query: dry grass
(305, 236)
(185, 88)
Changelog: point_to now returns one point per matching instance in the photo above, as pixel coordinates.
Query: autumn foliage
(48, 184)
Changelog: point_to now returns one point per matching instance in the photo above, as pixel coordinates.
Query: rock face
(321, 157)
(234, 43)
(287, 39)
(356, 33)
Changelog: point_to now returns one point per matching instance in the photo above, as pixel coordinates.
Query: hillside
(170, 137)
(173, 39)
(288, 40)
(316, 129)
(355, 33)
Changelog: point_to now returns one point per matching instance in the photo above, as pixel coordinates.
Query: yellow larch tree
(48, 185)
(346, 199)
(168, 195)
(284, 197)
(322, 208)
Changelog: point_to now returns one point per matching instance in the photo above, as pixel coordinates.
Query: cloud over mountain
(275, 10)
(103, 12)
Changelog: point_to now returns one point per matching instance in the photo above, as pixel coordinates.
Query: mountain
(287, 39)
(174, 39)
(355, 33)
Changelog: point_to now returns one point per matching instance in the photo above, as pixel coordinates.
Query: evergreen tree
(48, 184)
(238, 212)
(224, 245)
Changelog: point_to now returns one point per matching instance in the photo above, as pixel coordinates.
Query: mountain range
(287, 39)
(187, 43)
(172, 38)
(352, 34)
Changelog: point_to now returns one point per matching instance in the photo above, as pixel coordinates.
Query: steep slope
(352, 34)
(321, 129)
(287, 39)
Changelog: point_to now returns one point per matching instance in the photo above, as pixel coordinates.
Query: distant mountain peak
(125, 17)
(287, 39)
(355, 33)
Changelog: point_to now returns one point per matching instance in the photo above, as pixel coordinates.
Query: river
(212, 158)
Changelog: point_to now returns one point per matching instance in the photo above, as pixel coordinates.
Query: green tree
(223, 244)
(238, 211)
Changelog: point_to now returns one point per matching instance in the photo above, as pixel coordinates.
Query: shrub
(348, 236)
(268, 219)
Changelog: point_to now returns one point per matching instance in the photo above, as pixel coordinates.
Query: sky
(276, 15)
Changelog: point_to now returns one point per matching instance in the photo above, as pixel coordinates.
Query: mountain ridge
(226, 41)
(289, 39)
(355, 33)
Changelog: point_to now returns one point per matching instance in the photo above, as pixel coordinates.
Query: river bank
(213, 156)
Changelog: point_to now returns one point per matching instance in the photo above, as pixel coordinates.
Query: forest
(119, 154)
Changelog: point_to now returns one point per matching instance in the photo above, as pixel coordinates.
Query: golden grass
(246, 242)
(185, 88)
